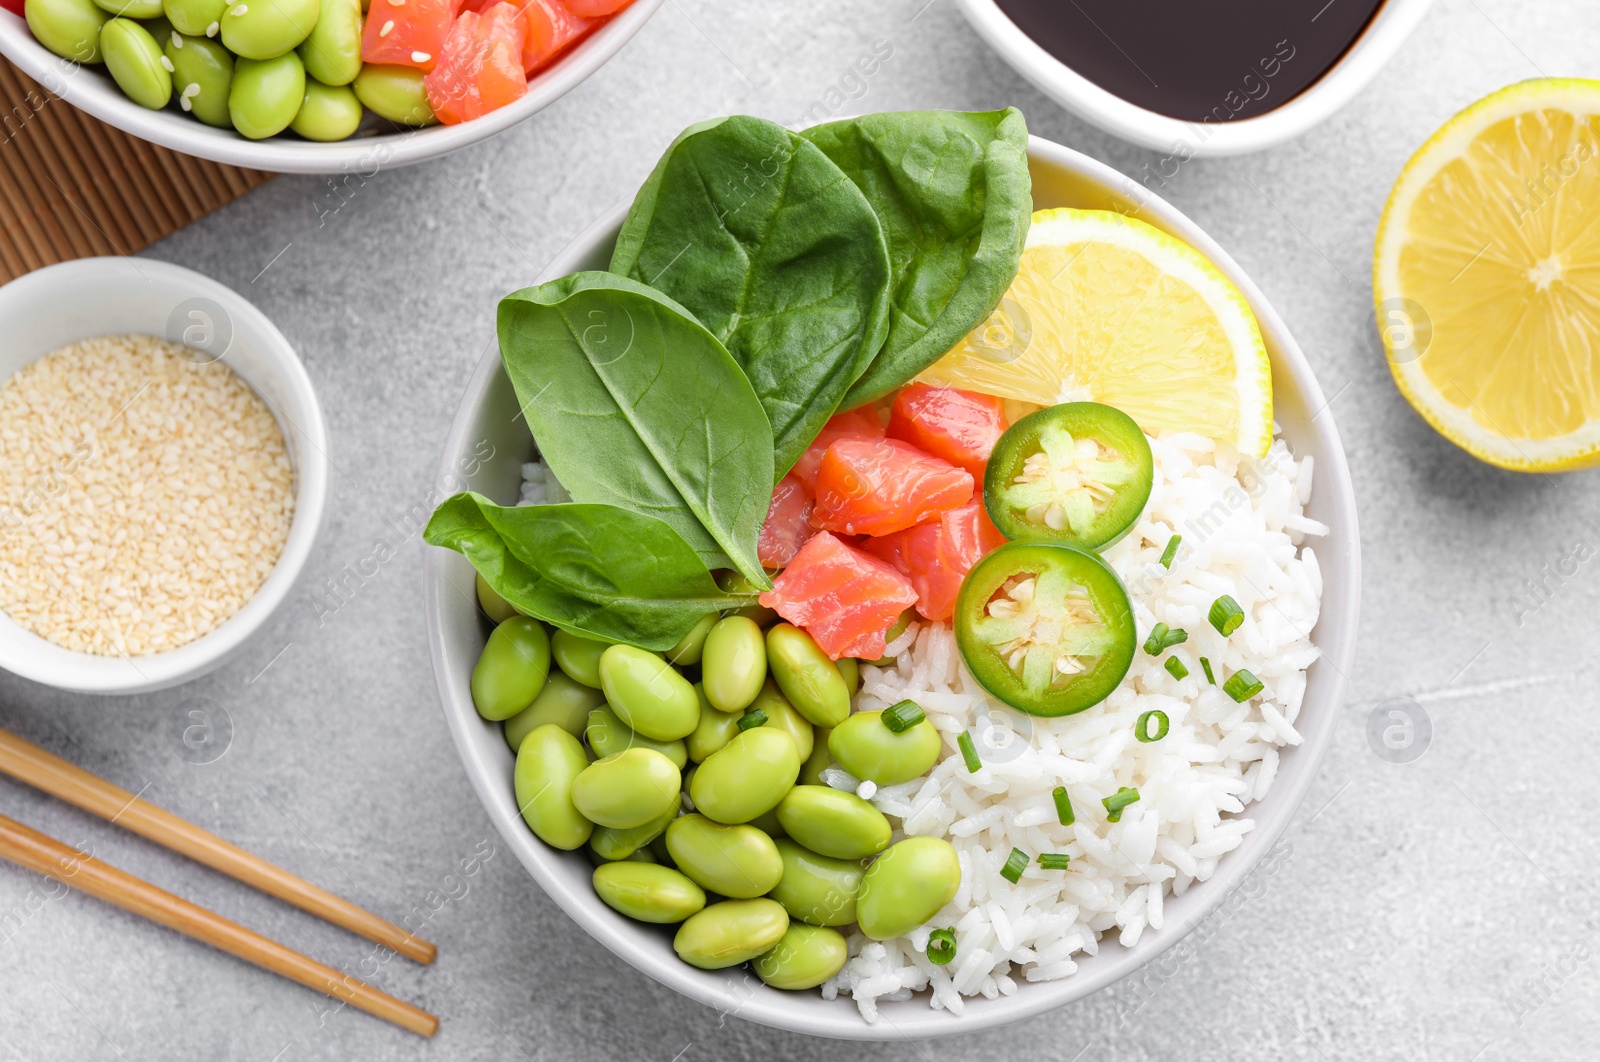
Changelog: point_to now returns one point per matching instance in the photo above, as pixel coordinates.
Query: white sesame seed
(177, 39)
(387, 28)
(191, 90)
(239, 10)
(183, 102)
(166, 64)
(141, 512)
(420, 57)
(211, 30)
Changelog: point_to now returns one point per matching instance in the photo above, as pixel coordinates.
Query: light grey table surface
(1441, 909)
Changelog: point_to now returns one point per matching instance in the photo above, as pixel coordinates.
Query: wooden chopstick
(29, 763)
(47, 856)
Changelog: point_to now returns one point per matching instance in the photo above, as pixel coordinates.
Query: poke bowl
(377, 141)
(884, 990)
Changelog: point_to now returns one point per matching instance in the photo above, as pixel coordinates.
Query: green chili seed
(1117, 801)
(1242, 685)
(1141, 729)
(1226, 615)
(1016, 863)
(941, 946)
(1064, 813)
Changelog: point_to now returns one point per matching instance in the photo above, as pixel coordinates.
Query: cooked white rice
(1242, 525)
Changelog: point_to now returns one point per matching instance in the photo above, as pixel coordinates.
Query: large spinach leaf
(590, 569)
(953, 194)
(778, 253)
(634, 404)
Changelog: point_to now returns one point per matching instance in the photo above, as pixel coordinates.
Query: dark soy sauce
(1199, 60)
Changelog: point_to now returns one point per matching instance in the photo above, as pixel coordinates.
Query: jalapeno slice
(1077, 473)
(1045, 627)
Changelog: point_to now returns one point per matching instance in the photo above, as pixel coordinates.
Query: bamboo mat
(72, 186)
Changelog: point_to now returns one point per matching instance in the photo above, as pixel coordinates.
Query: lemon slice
(1486, 276)
(1114, 310)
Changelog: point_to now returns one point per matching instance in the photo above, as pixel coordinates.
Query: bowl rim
(307, 438)
(365, 155)
(1384, 34)
(1336, 636)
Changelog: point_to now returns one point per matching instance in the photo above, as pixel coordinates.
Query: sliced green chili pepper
(1077, 473)
(1046, 628)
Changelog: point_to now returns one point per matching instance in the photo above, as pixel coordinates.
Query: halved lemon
(1486, 276)
(1108, 308)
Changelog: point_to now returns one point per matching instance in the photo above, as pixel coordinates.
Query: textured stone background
(1433, 910)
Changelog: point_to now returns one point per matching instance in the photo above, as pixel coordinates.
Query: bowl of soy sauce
(1198, 79)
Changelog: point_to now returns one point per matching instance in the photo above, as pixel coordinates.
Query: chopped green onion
(1054, 860)
(1205, 665)
(903, 716)
(941, 946)
(1175, 668)
(1063, 805)
(1163, 638)
(1242, 685)
(1171, 551)
(751, 720)
(1226, 615)
(1141, 729)
(1117, 801)
(969, 752)
(1016, 863)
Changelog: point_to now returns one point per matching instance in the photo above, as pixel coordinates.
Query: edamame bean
(734, 664)
(648, 693)
(817, 889)
(819, 760)
(691, 646)
(648, 893)
(134, 59)
(810, 681)
(781, 714)
(612, 844)
(202, 77)
(767, 822)
(728, 933)
(265, 29)
(512, 669)
(746, 777)
(609, 735)
(69, 28)
(266, 95)
(396, 93)
(734, 583)
(628, 789)
(576, 655)
(714, 730)
(906, 886)
(159, 28)
(804, 958)
(868, 749)
(850, 669)
(739, 862)
(834, 823)
(332, 51)
(195, 18)
(132, 8)
(548, 763)
(563, 702)
(494, 606)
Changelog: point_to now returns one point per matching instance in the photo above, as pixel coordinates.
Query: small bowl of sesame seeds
(162, 474)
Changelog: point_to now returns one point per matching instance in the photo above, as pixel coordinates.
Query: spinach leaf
(777, 253)
(953, 194)
(595, 570)
(634, 404)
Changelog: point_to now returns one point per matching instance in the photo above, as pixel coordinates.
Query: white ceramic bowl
(1388, 29)
(90, 297)
(91, 88)
(457, 632)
